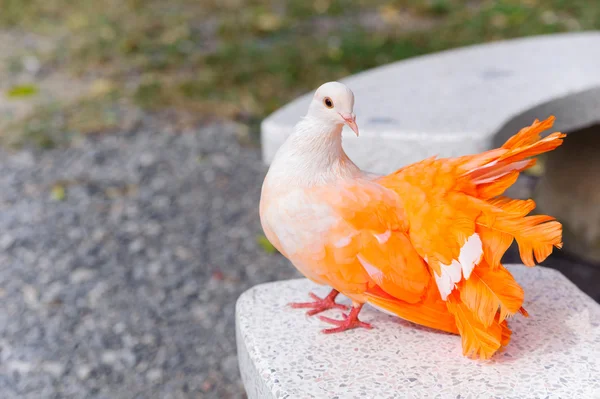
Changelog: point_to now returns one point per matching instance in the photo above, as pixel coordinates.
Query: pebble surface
(125, 288)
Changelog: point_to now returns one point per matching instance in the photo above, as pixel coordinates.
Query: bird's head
(333, 103)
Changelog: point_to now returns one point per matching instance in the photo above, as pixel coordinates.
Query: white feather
(342, 242)
(451, 274)
(383, 237)
(469, 256)
(374, 272)
(300, 222)
(444, 285)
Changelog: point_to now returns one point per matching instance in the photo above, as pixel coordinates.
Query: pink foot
(320, 304)
(350, 321)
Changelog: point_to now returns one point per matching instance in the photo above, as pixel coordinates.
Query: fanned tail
(482, 303)
(461, 225)
(504, 219)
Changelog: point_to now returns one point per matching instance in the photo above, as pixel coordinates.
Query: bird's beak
(350, 120)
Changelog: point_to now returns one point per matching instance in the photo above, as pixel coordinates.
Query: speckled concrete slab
(455, 102)
(553, 354)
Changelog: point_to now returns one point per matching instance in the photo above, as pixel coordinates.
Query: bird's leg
(320, 304)
(350, 321)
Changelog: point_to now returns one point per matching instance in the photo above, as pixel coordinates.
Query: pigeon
(423, 243)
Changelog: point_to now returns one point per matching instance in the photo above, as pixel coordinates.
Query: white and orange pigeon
(423, 243)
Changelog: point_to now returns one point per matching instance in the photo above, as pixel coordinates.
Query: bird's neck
(313, 155)
(315, 141)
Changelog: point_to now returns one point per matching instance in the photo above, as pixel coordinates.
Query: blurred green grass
(243, 59)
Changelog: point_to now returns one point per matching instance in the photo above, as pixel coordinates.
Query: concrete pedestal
(555, 353)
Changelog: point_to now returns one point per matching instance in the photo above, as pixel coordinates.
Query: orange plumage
(457, 191)
(424, 242)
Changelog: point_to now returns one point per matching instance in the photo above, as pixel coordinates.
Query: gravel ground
(126, 287)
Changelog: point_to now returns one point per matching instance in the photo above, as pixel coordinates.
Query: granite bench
(461, 101)
(555, 353)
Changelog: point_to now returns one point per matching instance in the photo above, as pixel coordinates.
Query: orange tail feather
(430, 312)
(478, 341)
(503, 220)
(496, 170)
(491, 294)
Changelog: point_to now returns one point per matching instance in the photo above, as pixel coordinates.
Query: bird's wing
(353, 236)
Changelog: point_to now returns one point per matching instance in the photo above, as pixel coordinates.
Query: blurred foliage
(58, 192)
(55, 124)
(245, 58)
(22, 91)
(265, 244)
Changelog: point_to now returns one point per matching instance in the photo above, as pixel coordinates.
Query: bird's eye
(328, 102)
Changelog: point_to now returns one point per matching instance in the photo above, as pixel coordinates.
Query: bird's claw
(320, 304)
(349, 322)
